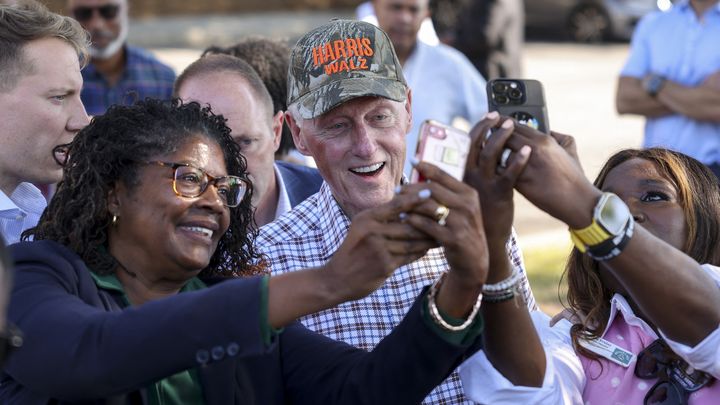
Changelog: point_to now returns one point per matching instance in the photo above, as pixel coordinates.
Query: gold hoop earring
(114, 220)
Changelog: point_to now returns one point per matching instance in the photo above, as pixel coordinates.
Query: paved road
(579, 83)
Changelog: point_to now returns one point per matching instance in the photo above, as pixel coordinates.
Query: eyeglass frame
(108, 12)
(670, 371)
(210, 179)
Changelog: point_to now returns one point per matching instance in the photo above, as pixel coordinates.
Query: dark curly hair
(109, 150)
(699, 196)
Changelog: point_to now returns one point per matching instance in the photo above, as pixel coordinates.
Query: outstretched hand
(553, 176)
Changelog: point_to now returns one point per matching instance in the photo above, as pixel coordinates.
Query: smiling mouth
(207, 233)
(368, 171)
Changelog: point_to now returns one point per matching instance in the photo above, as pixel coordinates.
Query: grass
(544, 265)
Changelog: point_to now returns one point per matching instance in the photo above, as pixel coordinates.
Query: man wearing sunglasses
(117, 73)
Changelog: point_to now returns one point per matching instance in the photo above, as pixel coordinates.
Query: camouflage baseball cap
(339, 61)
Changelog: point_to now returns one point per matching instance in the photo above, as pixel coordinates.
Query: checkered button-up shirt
(310, 234)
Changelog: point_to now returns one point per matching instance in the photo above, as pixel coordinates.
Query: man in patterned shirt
(349, 108)
(117, 73)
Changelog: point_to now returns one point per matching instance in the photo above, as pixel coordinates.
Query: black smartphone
(521, 99)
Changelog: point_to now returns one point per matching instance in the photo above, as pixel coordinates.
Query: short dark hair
(109, 150)
(29, 21)
(270, 58)
(226, 64)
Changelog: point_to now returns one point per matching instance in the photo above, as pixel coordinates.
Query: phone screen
(444, 146)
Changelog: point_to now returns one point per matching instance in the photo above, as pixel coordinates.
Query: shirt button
(233, 349)
(218, 352)
(202, 356)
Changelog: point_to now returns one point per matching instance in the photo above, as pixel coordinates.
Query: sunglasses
(107, 12)
(190, 182)
(677, 380)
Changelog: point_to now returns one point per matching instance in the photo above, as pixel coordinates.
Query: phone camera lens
(515, 93)
(500, 99)
(499, 87)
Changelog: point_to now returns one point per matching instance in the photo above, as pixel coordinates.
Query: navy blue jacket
(301, 181)
(81, 347)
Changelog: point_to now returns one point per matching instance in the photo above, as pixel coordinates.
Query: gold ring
(441, 214)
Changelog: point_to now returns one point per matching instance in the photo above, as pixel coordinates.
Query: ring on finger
(441, 214)
(504, 157)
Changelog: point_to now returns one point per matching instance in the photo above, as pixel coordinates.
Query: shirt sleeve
(516, 260)
(638, 62)
(462, 337)
(564, 375)
(705, 355)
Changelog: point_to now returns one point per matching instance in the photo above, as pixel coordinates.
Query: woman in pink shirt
(641, 325)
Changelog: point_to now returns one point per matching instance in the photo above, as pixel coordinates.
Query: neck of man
(111, 68)
(267, 206)
(403, 55)
(8, 185)
(701, 6)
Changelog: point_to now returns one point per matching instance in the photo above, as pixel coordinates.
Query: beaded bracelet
(435, 313)
(504, 285)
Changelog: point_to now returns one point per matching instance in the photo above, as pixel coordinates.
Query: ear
(295, 130)
(113, 200)
(408, 109)
(277, 127)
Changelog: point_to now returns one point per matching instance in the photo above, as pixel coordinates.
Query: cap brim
(325, 98)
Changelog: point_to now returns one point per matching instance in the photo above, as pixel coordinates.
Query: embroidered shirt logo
(343, 55)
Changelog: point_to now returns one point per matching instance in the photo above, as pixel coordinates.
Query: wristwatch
(653, 84)
(610, 222)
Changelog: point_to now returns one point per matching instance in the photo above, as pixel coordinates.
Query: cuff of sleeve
(704, 356)
(462, 337)
(267, 332)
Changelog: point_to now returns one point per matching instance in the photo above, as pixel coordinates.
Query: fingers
(401, 203)
(516, 164)
(479, 134)
(492, 152)
(435, 174)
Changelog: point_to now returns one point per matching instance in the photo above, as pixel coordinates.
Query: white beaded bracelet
(504, 285)
(435, 313)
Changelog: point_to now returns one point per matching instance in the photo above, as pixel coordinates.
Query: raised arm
(647, 268)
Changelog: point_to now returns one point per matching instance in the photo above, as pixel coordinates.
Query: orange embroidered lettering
(317, 56)
(363, 64)
(331, 68)
(352, 48)
(340, 48)
(344, 66)
(328, 54)
(366, 47)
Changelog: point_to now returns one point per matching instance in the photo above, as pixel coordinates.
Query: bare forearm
(510, 340)
(669, 287)
(700, 103)
(633, 99)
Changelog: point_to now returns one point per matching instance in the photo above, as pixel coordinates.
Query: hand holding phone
(444, 146)
(521, 99)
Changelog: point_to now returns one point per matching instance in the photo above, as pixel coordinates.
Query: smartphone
(444, 146)
(523, 100)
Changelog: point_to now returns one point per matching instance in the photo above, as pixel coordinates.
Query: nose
(636, 211)
(78, 117)
(211, 200)
(95, 22)
(364, 143)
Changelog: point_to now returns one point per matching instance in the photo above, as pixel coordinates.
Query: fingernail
(424, 194)
(492, 115)
(398, 189)
(414, 161)
(403, 216)
(525, 150)
(507, 124)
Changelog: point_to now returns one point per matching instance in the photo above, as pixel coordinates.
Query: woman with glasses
(643, 298)
(142, 284)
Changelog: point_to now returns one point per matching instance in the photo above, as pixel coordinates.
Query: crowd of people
(175, 258)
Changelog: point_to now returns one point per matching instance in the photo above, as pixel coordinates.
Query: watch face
(614, 214)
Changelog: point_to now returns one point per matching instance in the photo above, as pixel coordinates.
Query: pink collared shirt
(574, 379)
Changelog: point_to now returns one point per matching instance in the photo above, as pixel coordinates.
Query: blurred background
(576, 48)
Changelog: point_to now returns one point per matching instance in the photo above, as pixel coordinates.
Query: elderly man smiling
(350, 110)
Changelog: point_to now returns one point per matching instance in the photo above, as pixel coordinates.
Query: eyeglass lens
(191, 182)
(666, 393)
(107, 12)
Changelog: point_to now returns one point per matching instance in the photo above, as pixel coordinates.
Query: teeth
(367, 169)
(204, 231)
